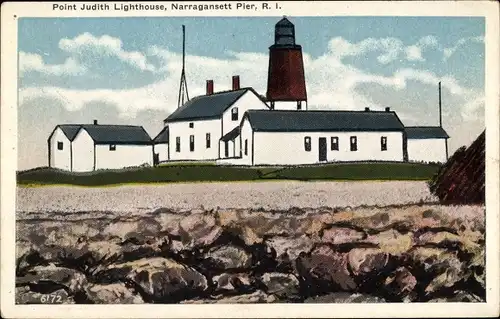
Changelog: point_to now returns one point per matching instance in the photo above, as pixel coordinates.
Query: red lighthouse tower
(286, 84)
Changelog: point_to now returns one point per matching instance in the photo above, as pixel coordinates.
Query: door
(322, 149)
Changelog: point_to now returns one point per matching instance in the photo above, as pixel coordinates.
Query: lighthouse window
(354, 143)
(307, 143)
(234, 114)
(246, 147)
(112, 147)
(383, 143)
(191, 125)
(60, 145)
(299, 105)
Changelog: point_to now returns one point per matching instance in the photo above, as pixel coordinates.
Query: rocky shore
(410, 253)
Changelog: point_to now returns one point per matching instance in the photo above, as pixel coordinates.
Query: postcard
(250, 159)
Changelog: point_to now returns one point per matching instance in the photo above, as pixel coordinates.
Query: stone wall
(414, 253)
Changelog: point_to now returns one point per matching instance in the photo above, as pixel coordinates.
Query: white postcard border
(12, 11)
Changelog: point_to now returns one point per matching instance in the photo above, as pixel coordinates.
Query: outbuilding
(87, 147)
(427, 144)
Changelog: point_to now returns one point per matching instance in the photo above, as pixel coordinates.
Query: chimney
(387, 109)
(95, 122)
(236, 82)
(210, 87)
(367, 109)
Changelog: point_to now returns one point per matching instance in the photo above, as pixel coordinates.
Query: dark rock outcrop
(462, 179)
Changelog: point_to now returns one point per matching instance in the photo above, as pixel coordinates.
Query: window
(226, 149)
(335, 143)
(299, 105)
(60, 146)
(307, 143)
(383, 143)
(191, 143)
(191, 125)
(354, 143)
(272, 105)
(178, 144)
(112, 147)
(234, 114)
(208, 140)
(246, 147)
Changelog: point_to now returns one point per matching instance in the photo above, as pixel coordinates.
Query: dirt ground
(269, 195)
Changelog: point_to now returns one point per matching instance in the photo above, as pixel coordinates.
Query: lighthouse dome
(284, 32)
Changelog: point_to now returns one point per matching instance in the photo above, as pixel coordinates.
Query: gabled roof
(425, 132)
(231, 135)
(162, 137)
(208, 106)
(107, 134)
(316, 121)
(70, 130)
(117, 134)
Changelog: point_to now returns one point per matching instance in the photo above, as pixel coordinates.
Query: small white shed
(427, 144)
(94, 147)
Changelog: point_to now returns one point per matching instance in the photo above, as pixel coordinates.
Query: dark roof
(298, 121)
(425, 132)
(284, 22)
(162, 137)
(231, 135)
(70, 130)
(117, 134)
(207, 106)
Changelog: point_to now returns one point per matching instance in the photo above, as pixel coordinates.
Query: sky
(127, 70)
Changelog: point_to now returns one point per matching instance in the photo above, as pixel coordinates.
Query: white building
(161, 146)
(195, 129)
(86, 147)
(279, 137)
(427, 144)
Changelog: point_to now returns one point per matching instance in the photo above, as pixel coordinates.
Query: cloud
(30, 62)
(331, 83)
(390, 49)
(448, 52)
(414, 52)
(105, 46)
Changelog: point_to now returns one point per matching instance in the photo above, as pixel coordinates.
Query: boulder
(391, 241)
(279, 284)
(229, 282)
(344, 297)
(325, 269)
(363, 261)
(289, 248)
(199, 230)
(341, 235)
(435, 260)
(401, 284)
(116, 293)
(228, 257)
(47, 279)
(160, 279)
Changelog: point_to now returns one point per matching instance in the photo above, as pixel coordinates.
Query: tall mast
(440, 113)
(183, 90)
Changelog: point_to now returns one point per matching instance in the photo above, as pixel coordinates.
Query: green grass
(199, 172)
